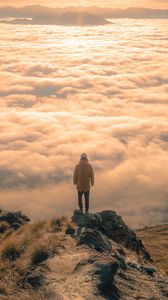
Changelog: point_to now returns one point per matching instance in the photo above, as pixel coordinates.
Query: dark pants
(86, 194)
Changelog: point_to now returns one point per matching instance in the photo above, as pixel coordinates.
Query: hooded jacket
(83, 176)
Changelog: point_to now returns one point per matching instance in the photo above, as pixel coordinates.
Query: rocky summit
(88, 257)
(113, 227)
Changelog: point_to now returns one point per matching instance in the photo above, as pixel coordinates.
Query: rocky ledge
(107, 226)
(104, 259)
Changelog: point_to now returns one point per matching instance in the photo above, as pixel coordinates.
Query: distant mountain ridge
(38, 10)
(65, 19)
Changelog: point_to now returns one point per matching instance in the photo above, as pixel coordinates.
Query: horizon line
(82, 6)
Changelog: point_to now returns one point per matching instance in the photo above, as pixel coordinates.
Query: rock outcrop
(12, 220)
(113, 227)
(95, 257)
(88, 269)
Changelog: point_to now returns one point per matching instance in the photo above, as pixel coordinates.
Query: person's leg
(80, 201)
(87, 194)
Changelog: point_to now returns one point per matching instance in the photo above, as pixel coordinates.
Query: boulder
(95, 239)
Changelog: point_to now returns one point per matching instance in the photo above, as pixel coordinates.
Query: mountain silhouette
(66, 19)
(33, 11)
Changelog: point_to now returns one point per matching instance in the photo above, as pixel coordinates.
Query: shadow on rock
(95, 239)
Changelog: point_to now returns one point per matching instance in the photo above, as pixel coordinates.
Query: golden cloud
(69, 90)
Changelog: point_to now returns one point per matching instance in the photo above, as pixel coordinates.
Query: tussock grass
(39, 254)
(42, 250)
(29, 294)
(60, 224)
(25, 250)
(3, 288)
(38, 229)
(10, 250)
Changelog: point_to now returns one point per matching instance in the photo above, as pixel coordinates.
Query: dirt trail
(64, 281)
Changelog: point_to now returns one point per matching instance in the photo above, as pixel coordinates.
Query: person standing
(83, 179)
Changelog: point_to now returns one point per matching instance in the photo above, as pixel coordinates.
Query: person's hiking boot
(87, 212)
(81, 211)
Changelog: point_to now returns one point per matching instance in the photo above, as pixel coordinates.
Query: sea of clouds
(101, 90)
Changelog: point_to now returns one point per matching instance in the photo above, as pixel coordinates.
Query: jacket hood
(83, 161)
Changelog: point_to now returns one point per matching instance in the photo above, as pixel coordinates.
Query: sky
(100, 90)
(106, 3)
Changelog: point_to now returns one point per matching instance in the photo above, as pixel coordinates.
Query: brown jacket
(83, 176)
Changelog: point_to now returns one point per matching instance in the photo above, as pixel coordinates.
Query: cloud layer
(64, 91)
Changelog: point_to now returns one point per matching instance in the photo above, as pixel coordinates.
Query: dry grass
(39, 254)
(22, 251)
(59, 224)
(29, 294)
(156, 241)
(10, 250)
